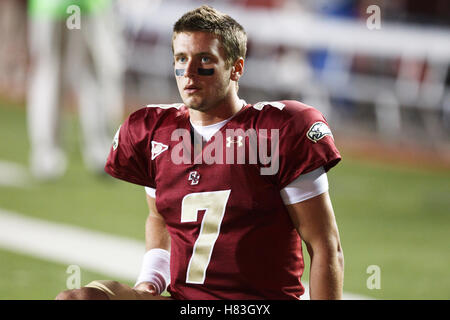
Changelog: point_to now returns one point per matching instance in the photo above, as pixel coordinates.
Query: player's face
(206, 82)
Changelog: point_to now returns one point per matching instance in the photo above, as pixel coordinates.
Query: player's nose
(191, 69)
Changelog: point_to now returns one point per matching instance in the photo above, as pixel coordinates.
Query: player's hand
(148, 287)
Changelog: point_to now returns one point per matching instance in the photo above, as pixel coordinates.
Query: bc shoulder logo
(158, 148)
(116, 139)
(317, 131)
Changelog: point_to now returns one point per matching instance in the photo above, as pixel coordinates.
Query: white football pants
(90, 59)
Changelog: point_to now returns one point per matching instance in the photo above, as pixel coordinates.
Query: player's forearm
(327, 274)
(155, 271)
(156, 234)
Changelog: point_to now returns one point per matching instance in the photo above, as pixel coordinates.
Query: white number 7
(214, 203)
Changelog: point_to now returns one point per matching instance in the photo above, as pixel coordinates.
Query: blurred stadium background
(385, 92)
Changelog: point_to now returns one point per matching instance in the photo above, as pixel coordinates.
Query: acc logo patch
(158, 148)
(318, 130)
(116, 139)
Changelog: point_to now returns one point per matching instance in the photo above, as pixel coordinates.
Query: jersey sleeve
(306, 143)
(129, 157)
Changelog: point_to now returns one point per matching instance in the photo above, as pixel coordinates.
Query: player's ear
(238, 69)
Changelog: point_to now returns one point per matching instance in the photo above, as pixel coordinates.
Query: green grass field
(397, 218)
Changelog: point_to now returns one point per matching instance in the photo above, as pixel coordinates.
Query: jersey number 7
(214, 203)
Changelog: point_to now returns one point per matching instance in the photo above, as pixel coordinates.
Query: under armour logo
(158, 148)
(238, 141)
(194, 177)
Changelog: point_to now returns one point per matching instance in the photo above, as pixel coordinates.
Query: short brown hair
(208, 19)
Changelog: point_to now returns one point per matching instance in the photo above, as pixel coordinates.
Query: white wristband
(156, 269)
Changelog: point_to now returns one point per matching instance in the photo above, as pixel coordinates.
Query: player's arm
(155, 275)
(156, 234)
(315, 222)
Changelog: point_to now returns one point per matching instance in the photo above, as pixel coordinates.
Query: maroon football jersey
(231, 235)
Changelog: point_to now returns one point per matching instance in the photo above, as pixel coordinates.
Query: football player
(232, 188)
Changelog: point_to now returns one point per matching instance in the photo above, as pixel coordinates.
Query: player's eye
(181, 59)
(206, 60)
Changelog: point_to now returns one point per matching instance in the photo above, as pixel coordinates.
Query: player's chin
(194, 103)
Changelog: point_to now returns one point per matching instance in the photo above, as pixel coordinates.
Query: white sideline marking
(116, 256)
(13, 175)
(100, 252)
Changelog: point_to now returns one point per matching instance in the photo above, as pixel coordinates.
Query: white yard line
(118, 257)
(100, 252)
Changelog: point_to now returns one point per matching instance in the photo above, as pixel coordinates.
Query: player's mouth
(190, 89)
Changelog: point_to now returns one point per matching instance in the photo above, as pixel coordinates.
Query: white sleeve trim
(151, 192)
(305, 187)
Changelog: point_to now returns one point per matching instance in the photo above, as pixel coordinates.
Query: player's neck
(225, 110)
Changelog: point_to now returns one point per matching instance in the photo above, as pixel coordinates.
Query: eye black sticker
(205, 72)
(179, 72)
(200, 72)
